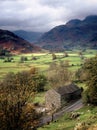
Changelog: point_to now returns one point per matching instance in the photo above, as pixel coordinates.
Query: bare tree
(59, 75)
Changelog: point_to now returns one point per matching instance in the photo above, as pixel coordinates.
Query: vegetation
(43, 60)
(23, 59)
(90, 70)
(59, 75)
(86, 115)
(54, 56)
(19, 90)
(65, 54)
(15, 91)
(4, 52)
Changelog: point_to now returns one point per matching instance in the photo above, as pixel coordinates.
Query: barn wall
(52, 100)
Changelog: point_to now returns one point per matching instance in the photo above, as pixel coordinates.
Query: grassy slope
(88, 115)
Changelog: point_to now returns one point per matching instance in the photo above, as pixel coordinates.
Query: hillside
(28, 35)
(74, 34)
(15, 44)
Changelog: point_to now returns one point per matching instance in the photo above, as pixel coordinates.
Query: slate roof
(67, 89)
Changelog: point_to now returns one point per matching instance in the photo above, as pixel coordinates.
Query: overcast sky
(42, 15)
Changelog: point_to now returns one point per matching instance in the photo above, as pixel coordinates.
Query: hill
(74, 34)
(28, 35)
(15, 44)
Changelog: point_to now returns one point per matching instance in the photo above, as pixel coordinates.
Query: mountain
(27, 35)
(15, 44)
(74, 34)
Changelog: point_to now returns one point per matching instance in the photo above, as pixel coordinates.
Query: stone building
(56, 98)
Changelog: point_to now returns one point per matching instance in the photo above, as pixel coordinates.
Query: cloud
(42, 15)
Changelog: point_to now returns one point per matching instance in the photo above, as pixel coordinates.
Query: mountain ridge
(15, 44)
(74, 34)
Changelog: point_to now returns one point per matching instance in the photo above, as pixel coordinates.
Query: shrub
(15, 92)
(23, 59)
(90, 69)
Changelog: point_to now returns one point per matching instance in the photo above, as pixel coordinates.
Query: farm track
(71, 107)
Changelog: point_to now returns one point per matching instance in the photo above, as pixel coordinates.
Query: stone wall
(52, 100)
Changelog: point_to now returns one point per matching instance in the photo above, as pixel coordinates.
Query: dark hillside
(74, 34)
(15, 44)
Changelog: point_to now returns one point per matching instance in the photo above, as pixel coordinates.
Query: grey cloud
(54, 3)
(42, 15)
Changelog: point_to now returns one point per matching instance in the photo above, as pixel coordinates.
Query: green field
(42, 61)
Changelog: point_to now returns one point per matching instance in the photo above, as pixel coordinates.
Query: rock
(81, 126)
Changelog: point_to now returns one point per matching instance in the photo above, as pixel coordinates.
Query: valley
(48, 65)
(42, 61)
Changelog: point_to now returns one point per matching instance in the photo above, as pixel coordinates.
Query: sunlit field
(42, 61)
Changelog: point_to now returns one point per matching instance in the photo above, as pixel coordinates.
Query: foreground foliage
(90, 68)
(15, 90)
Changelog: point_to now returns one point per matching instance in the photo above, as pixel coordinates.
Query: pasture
(42, 61)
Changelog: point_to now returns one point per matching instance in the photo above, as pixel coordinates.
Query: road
(72, 107)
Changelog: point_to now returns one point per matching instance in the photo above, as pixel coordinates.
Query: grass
(42, 61)
(40, 98)
(66, 123)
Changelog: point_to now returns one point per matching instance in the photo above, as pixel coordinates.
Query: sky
(42, 15)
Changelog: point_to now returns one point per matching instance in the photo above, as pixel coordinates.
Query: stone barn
(56, 98)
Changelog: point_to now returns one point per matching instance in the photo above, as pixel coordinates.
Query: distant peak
(73, 22)
(91, 17)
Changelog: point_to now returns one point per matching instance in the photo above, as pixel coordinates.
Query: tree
(81, 55)
(4, 52)
(80, 75)
(33, 57)
(15, 92)
(65, 54)
(54, 56)
(38, 79)
(8, 59)
(23, 59)
(90, 68)
(59, 75)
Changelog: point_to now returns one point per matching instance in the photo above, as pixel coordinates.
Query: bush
(23, 59)
(81, 126)
(85, 97)
(15, 91)
(8, 59)
(90, 69)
